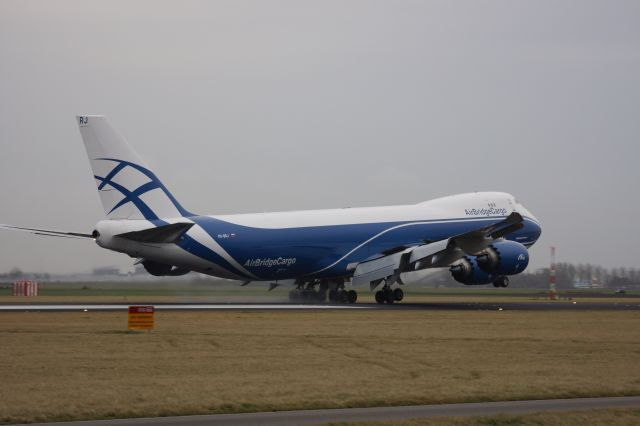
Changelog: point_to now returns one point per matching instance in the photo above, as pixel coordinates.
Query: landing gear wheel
(343, 296)
(352, 296)
(501, 282)
(398, 294)
(380, 297)
(389, 297)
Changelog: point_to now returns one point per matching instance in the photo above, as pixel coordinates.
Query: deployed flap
(162, 234)
(427, 250)
(380, 268)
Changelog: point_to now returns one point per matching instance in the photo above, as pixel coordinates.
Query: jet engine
(504, 258)
(468, 272)
(161, 269)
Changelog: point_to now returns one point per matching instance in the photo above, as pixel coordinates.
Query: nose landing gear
(502, 281)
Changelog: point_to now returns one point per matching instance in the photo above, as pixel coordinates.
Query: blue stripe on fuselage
(325, 251)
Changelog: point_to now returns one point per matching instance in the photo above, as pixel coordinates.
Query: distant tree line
(18, 274)
(569, 275)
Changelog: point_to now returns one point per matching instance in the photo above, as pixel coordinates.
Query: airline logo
(491, 211)
(270, 262)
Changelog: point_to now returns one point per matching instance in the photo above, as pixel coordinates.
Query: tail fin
(128, 189)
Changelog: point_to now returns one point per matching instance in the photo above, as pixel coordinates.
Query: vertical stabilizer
(128, 188)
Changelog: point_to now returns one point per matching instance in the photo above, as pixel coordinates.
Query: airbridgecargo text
(491, 211)
(268, 263)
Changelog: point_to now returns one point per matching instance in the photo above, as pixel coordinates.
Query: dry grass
(59, 366)
(618, 417)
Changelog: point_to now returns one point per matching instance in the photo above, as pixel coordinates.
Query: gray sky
(244, 106)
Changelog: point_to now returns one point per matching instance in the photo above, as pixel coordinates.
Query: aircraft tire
(352, 296)
(502, 281)
(389, 297)
(398, 294)
(380, 299)
(505, 282)
(343, 296)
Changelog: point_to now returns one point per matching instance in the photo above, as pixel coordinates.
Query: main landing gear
(317, 292)
(389, 295)
(343, 296)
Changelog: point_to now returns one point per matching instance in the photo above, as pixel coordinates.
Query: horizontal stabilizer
(163, 234)
(47, 232)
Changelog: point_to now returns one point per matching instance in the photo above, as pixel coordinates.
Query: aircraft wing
(431, 255)
(47, 232)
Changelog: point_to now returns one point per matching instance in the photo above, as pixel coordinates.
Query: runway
(319, 417)
(434, 306)
(174, 307)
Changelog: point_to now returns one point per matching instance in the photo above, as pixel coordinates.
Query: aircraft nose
(536, 230)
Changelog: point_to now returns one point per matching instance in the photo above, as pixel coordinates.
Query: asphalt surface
(319, 417)
(433, 306)
(172, 307)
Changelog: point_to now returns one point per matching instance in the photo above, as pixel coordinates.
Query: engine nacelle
(504, 258)
(468, 272)
(161, 269)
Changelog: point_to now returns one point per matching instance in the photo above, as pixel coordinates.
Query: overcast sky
(245, 106)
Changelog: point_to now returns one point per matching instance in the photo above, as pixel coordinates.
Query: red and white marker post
(25, 288)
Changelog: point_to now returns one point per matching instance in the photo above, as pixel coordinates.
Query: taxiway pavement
(319, 417)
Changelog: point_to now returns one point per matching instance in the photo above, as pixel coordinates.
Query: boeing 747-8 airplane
(481, 237)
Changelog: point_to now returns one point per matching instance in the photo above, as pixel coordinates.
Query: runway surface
(173, 307)
(319, 417)
(434, 306)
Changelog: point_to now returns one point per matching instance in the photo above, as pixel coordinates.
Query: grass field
(618, 417)
(64, 366)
